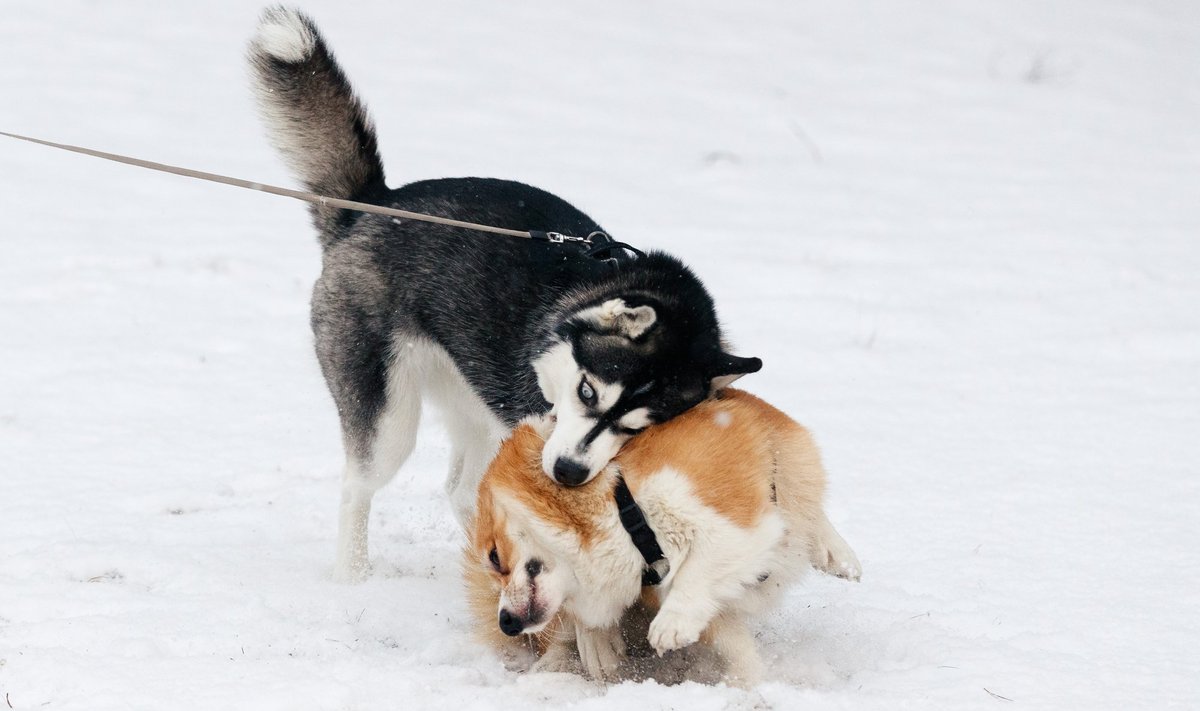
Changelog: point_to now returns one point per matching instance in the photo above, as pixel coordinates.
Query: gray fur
(317, 123)
(400, 304)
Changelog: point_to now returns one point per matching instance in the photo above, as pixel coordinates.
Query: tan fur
(483, 590)
(730, 448)
(517, 471)
(742, 457)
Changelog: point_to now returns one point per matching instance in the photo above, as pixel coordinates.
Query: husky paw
(672, 629)
(349, 574)
(600, 651)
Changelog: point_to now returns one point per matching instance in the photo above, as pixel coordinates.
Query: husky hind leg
(379, 404)
(370, 464)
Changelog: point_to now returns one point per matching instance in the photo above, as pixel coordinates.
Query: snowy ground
(964, 237)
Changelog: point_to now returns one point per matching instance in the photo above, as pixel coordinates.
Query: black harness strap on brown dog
(634, 521)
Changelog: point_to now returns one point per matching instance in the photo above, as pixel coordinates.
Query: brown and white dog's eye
(533, 567)
(494, 559)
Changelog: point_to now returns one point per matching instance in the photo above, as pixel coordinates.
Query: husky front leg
(474, 446)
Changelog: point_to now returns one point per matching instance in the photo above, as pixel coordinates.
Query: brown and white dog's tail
(312, 114)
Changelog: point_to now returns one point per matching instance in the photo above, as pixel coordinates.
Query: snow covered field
(964, 238)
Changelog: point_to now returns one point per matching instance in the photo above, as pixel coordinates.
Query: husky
(490, 328)
(733, 491)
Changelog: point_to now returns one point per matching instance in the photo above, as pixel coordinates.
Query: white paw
(600, 651)
(835, 557)
(672, 629)
(349, 573)
(556, 659)
(745, 671)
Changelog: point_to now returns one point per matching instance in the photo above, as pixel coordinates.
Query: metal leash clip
(559, 237)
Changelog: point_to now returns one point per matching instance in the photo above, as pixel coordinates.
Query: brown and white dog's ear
(616, 316)
(728, 368)
(542, 425)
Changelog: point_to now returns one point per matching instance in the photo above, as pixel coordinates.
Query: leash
(604, 244)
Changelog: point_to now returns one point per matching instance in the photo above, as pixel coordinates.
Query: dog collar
(634, 521)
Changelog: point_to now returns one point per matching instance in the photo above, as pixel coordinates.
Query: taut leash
(556, 237)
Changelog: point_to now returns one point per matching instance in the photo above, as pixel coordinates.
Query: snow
(963, 237)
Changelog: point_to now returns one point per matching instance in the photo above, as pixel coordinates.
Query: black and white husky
(491, 328)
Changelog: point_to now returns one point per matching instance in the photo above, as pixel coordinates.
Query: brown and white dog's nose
(569, 472)
(510, 624)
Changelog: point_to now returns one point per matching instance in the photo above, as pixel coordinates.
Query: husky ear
(728, 368)
(615, 315)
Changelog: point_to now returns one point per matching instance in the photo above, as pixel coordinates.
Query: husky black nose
(569, 472)
(509, 624)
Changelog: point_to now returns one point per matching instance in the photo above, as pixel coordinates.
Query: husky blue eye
(587, 394)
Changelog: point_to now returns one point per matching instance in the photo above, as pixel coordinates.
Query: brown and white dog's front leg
(683, 616)
(689, 603)
(601, 650)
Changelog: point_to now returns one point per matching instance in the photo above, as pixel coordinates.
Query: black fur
(493, 303)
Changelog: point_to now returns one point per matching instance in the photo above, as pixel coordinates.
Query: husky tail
(312, 114)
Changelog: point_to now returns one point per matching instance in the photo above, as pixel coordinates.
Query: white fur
(636, 419)
(521, 594)
(573, 423)
(616, 316)
(420, 368)
(723, 381)
(554, 369)
(283, 34)
(715, 564)
(715, 580)
(558, 377)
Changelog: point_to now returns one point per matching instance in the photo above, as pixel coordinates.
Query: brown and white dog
(733, 490)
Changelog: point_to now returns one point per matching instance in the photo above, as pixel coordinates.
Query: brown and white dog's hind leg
(831, 554)
(729, 635)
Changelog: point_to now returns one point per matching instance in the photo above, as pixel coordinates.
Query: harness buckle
(656, 572)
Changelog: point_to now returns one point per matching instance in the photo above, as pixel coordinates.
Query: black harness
(597, 255)
(602, 255)
(634, 521)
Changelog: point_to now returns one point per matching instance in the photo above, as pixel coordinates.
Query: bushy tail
(312, 114)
